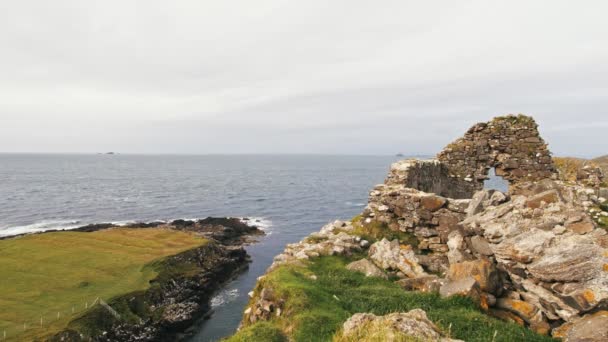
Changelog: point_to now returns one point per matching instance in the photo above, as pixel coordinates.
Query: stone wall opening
(511, 144)
(495, 182)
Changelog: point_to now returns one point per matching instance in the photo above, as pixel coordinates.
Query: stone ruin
(510, 144)
(535, 256)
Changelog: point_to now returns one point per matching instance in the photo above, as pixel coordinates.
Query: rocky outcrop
(392, 256)
(536, 256)
(366, 267)
(412, 325)
(177, 297)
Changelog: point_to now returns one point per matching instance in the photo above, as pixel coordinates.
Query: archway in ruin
(509, 144)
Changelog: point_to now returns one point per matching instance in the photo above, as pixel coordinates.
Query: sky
(279, 76)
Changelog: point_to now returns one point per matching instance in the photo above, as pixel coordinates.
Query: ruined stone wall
(429, 176)
(511, 144)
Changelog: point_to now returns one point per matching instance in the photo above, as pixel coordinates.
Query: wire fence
(49, 322)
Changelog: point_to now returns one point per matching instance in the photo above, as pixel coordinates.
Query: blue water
(291, 195)
(294, 195)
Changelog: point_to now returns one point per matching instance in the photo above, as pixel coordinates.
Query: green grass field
(49, 276)
(315, 310)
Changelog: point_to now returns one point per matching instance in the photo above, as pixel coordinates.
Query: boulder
(524, 248)
(466, 287)
(546, 197)
(575, 259)
(389, 255)
(412, 325)
(456, 246)
(480, 245)
(590, 328)
(431, 283)
(366, 267)
(528, 312)
(476, 205)
(582, 227)
(482, 271)
(432, 202)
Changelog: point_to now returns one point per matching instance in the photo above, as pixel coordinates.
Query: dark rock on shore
(177, 297)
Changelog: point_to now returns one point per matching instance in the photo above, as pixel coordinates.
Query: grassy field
(49, 276)
(315, 310)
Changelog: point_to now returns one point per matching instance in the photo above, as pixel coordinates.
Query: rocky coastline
(179, 295)
(536, 257)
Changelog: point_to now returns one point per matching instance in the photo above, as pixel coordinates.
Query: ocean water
(291, 196)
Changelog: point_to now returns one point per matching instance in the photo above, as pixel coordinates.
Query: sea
(288, 196)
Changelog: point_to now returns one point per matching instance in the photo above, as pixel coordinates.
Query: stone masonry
(510, 144)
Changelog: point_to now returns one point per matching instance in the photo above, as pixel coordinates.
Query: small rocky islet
(527, 265)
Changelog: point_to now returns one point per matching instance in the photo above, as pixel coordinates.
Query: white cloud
(347, 76)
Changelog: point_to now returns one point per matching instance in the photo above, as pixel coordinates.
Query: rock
(496, 199)
(582, 227)
(476, 205)
(482, 271)
(575, 259)
(432, 202)
(391, 256)
(559, 230)
(481, 246)
(547, 197)
(431, 283)
(456, 246)
(459, 205)
(436, 263)
(366, 267)
(590, 328)
(524, 248)
(528, 312)
(413, 325)
(466, 287)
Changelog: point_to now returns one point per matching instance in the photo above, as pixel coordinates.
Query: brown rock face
(591, 328)
(482, 270)
(432, 203)
(528, 312)
(466, 287)
(550, 196)
(583, 227)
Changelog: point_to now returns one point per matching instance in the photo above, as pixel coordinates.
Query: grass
(49, 275)
(375, 230)
(314, 310)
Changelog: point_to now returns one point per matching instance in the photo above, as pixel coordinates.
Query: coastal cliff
(180, 293)
(103, 282)
(434, 256)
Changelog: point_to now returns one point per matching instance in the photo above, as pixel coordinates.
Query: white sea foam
(223, 297)
(262, 223)
(41, 226)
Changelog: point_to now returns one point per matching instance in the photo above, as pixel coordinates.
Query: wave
(262, 223)
(355, 204)
(46, 225)
(41, 226)
(223, 297)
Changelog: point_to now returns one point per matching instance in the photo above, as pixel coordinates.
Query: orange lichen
(589, 296)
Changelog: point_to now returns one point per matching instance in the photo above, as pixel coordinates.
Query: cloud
(307, 77)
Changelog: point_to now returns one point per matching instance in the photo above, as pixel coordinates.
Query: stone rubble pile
(537, 256)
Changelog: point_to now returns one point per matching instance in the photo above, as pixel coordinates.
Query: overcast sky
(354, 77)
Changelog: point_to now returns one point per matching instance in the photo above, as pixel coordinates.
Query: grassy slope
(316, 309)
(55, 272)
